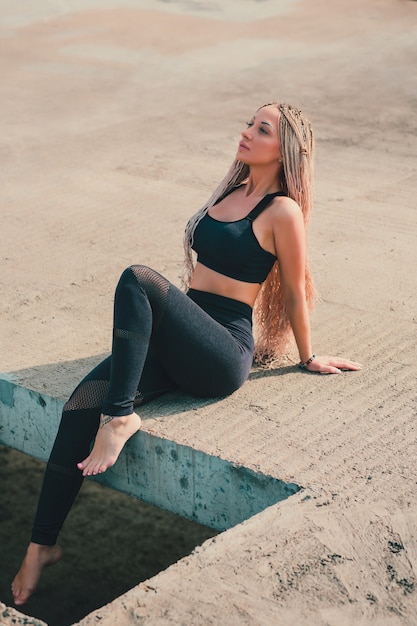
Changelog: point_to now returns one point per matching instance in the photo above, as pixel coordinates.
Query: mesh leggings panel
(156, 287)
(139, 307)
(88, 395)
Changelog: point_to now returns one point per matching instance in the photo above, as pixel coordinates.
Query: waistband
(207, 299)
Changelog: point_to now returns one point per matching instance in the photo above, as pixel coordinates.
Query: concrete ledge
(9, 616)
(204, 488)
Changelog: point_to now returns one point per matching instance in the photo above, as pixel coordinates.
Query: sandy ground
(118, 119)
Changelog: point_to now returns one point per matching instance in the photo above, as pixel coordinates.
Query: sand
(118, 121)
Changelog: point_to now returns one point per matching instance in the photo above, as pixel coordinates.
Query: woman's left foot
(26, 580)
(112, 435)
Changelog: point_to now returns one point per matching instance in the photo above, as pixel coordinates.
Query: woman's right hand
(331, 365)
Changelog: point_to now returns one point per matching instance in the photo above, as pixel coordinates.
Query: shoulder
(284, 210)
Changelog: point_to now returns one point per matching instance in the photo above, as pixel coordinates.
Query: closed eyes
(261, 128)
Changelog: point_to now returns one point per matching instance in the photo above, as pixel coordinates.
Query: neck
(262, 181)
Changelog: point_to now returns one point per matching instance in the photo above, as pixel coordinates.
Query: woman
(250, 241)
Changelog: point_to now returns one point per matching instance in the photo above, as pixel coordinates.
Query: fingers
(327, 370)
(341, 364)
(348, 365)
(332, 365)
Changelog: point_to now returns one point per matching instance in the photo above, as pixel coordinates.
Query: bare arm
(290, 246)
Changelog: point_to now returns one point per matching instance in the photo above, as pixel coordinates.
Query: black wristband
(303, 366)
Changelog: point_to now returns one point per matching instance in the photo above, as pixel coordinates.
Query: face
(260, 142)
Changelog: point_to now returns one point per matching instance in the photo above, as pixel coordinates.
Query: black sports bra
(231, 248)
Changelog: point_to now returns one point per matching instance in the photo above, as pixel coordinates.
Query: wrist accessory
(303, 366)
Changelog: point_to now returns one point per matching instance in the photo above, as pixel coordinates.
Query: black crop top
(231, 248)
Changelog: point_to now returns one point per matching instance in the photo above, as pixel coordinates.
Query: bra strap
(261, 206)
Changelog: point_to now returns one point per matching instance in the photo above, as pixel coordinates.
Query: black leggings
(163, 339)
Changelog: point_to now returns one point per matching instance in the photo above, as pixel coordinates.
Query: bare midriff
(205, 279)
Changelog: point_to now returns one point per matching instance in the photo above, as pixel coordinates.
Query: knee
(128, 279)
(138, 282)
(139, 270)
(143, 274)
(130, 273)
(139, 274)
(150, 281)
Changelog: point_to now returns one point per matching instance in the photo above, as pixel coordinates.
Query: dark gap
(111, 543)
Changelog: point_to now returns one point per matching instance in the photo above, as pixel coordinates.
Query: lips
(243, 146)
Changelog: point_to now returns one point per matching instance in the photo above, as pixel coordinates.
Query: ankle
(117, 421)
(36, 549)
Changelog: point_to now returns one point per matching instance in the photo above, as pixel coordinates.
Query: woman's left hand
(331, 365)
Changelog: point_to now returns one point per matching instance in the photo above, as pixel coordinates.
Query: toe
(19, 597)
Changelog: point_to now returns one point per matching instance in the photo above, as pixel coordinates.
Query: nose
(246, 133)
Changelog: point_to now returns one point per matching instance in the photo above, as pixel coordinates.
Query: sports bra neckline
(253, 213)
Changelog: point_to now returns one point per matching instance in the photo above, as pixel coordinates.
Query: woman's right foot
(112, 434)
(27, 578)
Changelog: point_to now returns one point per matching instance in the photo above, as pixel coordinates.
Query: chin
(241, 157)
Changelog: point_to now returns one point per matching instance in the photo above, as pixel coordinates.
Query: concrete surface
(203, 488)
(118, 120)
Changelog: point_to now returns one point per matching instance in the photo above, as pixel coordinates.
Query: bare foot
(27, 578)
(112, 435)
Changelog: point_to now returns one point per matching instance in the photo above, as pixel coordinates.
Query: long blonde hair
(271, 324)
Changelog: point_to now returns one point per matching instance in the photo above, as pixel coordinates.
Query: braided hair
(272, 327)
